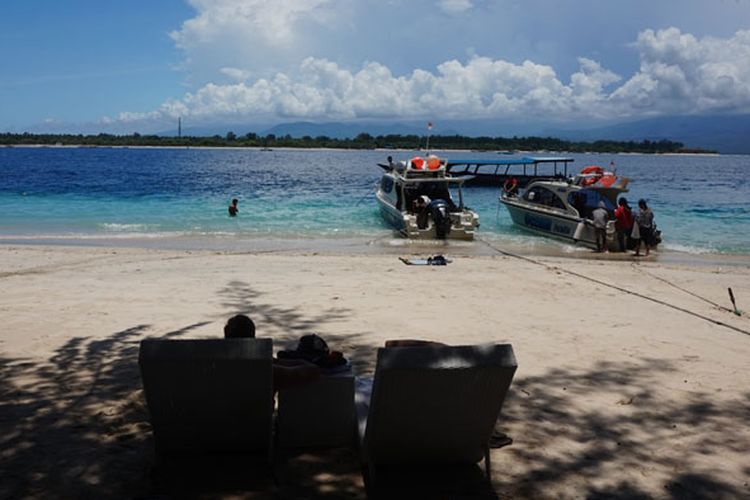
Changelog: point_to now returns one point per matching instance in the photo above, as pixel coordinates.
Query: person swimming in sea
(233, 207)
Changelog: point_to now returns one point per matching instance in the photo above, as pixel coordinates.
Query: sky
(123, 67)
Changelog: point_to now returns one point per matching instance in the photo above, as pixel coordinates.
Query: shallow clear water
(702, 203)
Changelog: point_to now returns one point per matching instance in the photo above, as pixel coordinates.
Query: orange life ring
(607, 180)
(510, 185)
(588, 181)
(433, 162)
(592, 169)
(591, 175)
(417, 163)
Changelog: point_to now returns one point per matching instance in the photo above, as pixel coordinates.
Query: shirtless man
(233, 208)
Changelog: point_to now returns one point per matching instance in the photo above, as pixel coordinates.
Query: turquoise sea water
(702, 203)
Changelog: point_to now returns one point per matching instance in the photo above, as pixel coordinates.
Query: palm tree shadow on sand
(76, 424)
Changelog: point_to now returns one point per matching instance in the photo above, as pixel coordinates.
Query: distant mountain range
(729, 134)
(725, 134)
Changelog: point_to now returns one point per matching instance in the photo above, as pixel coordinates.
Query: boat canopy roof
(526, 160)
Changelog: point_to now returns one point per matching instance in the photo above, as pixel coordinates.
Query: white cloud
(130, 117)
(236, 74)
(272, 21)
(682, 74)
(678, 74)
(320, 89)
(265, 35)
(455, 6)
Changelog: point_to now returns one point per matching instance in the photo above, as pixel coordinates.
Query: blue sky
(135, 66)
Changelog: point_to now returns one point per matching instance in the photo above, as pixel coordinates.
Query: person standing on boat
(600, 216)
(623, 223)
(645, 221)
(233, 207)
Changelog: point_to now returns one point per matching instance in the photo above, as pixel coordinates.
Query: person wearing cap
(599, 217)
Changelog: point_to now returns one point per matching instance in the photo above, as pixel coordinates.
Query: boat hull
(406, 224)
(557, 225)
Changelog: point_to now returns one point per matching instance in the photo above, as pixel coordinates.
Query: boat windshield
(544, 196)
(586, 200)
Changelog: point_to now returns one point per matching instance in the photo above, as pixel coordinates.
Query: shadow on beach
(76, 425)
(645, 446)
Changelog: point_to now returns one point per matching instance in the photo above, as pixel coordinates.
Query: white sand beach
(631, 381)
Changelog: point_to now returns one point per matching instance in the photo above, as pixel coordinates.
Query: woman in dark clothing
(645, 221)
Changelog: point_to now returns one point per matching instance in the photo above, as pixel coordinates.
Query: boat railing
(448, 180)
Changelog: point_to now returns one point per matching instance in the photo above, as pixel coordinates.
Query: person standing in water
(233, 207)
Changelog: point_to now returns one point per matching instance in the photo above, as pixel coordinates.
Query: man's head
(239, 327)
(235, 201)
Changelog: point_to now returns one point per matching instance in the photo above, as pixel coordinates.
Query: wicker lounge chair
(209, 395)
(434, 404)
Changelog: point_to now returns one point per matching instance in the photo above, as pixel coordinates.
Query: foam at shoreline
(387, 244)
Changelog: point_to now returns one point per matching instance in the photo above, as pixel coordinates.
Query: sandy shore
(632, 377)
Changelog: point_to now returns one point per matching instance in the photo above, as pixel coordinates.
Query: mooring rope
(614, 287)
(374, 187)
(663, 280)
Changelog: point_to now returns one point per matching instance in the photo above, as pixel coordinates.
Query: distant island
(361, 141)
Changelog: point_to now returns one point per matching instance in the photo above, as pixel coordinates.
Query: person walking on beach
(623, 223)
(233, 207)
(645, 221)
(600, 216)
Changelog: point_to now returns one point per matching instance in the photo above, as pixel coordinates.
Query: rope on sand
(659, 278)
(614, 287)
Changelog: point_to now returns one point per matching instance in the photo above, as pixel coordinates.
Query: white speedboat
(562, 208)
(415, 198)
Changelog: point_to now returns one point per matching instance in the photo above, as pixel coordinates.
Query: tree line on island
(361, 141)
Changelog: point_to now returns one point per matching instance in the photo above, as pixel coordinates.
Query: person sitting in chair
(286, 372)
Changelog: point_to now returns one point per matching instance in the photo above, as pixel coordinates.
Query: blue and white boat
(562, 208)
(415, 198)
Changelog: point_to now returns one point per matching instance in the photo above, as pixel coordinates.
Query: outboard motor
(440, 217)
